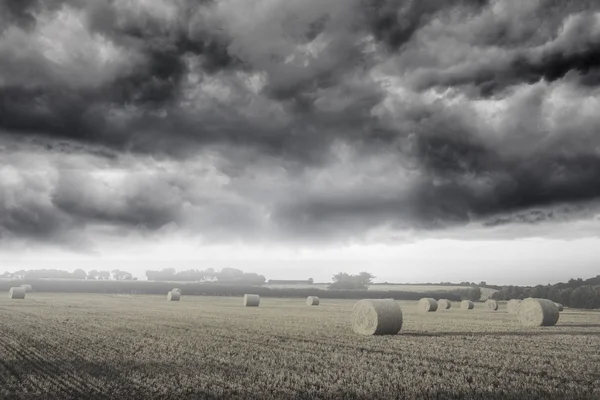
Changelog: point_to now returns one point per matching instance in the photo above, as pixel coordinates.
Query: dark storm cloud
(394, 22)
(523, 46)
(295, 120)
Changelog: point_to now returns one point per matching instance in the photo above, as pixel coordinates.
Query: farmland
(485, 292)
(141, 346)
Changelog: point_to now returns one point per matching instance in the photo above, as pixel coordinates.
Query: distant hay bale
(491, 304)
(444, 304)
(538, 312)
(377, 317)
(467, 305)
(513, 305)
(560, 306)
(251, 300)
(312, 301)
(173, 296)
(27, 288)
(16, 293)
(427, 304)
(177, 290)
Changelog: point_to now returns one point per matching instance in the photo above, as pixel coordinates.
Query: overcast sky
(419, 140)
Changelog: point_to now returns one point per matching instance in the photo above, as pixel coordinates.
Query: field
(485, 292)
(61, 346)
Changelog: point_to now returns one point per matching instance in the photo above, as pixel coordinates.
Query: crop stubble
(97, 346)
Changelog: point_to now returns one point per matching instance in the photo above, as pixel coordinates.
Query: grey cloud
(305, 136)
(511, 45)
(558, 213)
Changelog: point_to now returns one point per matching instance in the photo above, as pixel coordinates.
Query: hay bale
(444, 304)
(538, 312)
(560, 306)
(251, 300)
(27, 288)
(312, 301)
(491, 304)
(16, 293)
(177, 290)
(377, 317)
(427, 304)
(173, 296)
(467, 305)
(513, 305)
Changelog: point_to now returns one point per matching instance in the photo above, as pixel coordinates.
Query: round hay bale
(560, 306)
(377, 317)
(538, 312)
(27, 288)
(312, 301)
(173, 296)
(177, 290)
(444, 304)
(491, 304)
(16, 293)
(513, 305)
(467, 305)
(251, 300)
(427, 304)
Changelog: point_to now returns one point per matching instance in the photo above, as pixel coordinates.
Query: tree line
(576, 293)
(225, 275)
(79, 273)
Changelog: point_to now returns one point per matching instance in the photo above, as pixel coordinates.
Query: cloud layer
(295, 120)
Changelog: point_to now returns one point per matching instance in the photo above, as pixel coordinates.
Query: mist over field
(419, 140)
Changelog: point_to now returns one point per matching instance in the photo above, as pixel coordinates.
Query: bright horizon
(434, 260)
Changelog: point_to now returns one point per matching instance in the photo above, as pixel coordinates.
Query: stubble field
(55, 346)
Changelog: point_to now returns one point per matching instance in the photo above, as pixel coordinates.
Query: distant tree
(230, 274)
(79, 274)
(365, 278)
(209, 274)
(342, 280)
(93, 274)
(104, 275)
(311, 281)
(238, 277)
(166, 274)
(121, 275)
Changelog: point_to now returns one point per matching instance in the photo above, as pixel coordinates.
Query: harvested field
(61, 346)
(485, 292)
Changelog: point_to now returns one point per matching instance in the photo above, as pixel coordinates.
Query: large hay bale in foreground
(560, 306)
(513, 305)
(312, 301)
(467, 305)
(251, 300)
(173, 296)
(427, 304)
(491, 304)
(16, 293)
(444, 304)
(538, 312)
(27, 288)
(377, 317)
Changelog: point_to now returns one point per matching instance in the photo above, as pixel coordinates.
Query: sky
(422, 141)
